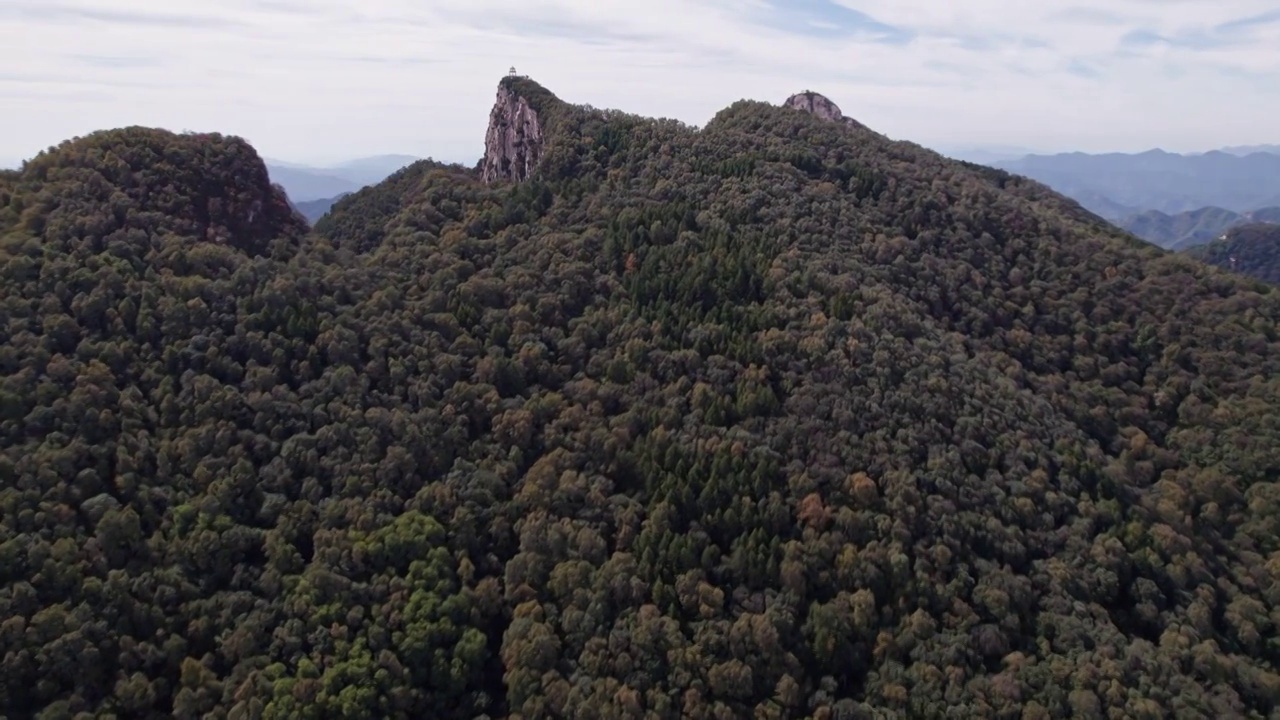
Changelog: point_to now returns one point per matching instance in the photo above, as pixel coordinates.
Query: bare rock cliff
(821, 106)
(513, 143)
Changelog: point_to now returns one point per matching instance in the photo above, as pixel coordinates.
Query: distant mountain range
(1118, 185)
(304, 183)
(313, 210)
(1189, 229)
(1250, 149)
(986, 154)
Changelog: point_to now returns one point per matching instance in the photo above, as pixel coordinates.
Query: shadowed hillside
(138, 185)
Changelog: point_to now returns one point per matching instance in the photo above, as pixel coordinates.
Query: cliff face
(514, 140)
(821, 106)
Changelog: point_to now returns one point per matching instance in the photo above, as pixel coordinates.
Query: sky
(321, 81)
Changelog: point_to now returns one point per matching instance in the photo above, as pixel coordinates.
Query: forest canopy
(773, 418)
(1252, 249)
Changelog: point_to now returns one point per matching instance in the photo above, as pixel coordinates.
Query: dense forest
(1252, 249)
(771, 418)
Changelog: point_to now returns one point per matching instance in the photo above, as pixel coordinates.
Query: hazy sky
(325, 80)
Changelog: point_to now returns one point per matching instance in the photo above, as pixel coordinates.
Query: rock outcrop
(513, 143)
(821, 106)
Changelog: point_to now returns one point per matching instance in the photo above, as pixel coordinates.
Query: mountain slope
(138, 186)
(313, 210)
(1183, 229)
(1189, 229)
(360, 221)
(372, 170)
(776, 418)
(1157, 180)
(307, 184)
(1252, 249)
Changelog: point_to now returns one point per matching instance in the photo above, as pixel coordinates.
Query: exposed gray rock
(821, 106)
(513, 142)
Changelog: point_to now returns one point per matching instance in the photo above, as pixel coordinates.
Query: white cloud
(319, 80)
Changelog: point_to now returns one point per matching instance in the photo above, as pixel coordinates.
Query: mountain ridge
(772, 418)
(313, 210)
(1118, 184)
(1188, 229)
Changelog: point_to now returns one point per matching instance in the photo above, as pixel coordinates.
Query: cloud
(114, 61)
(1079, 68)
(325, 80)
(1252, 21)
(1084, 15)
(527, 21)
(826, 19)
(58, 12)
(376, 60)
(50, 80)
(1196, 38)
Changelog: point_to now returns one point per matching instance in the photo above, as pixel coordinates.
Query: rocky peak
(821, 106)
(815, 104)
(514, 141)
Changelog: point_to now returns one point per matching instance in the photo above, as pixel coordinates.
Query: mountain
(1101, 204)
(985, 154)
(372, 170)
(773, 418)
(1252, 249)
(1189, 229)
(129, 191)
(1251, 149)
(313, 210)
(306, 184)
(1116, 185)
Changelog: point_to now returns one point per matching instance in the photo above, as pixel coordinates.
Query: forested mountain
(1189, 229)
(1116, 185)
(775, 418)
(1252, 249)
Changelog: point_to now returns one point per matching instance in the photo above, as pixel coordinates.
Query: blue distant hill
(305, 183)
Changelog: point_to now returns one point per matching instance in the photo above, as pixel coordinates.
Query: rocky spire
(514, 141)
